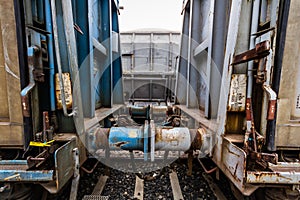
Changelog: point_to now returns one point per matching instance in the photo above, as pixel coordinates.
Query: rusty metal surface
(265, 177)
(64, 163)
(65, 137)
(285, 167)
(13, 164)
(13, 167)
(36, 61)
(97, 138)
(18, 170)
(172, 139)
(262, 160)
(23, 175)
(261, 50)
(234, 161)
(238, 88)
(67, 88)
(197, 138)
(64, 169)
(233, 164)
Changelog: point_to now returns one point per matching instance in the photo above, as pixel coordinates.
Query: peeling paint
(8, 70)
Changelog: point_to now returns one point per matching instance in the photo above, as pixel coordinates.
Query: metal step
(95, 197)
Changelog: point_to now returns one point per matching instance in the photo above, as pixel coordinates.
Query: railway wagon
(59, 63)
(149, 62)
(239, 80)
(235, 98)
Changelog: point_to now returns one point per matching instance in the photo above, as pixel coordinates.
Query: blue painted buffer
(126, 138)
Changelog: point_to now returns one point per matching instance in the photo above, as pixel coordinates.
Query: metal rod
(91, 170)
(26, 90)
(37, 159)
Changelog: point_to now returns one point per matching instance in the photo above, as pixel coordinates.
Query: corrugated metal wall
(149, 61)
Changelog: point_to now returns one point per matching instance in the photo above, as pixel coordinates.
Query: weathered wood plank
(175, 186)
(100, 185)
(139, 189)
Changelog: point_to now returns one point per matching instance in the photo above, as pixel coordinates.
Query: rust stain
(120, 144)
(198, 140)
(259, 176)
(230, 172)
(236, 166)
(158, 135)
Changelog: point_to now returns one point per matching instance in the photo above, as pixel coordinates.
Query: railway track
(171, 182)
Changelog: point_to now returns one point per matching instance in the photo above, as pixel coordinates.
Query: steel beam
(23, 175)
(85, 54)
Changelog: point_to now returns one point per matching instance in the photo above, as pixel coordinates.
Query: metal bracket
(146, 140)
(24, 93)
(261, 50)
(152, 140)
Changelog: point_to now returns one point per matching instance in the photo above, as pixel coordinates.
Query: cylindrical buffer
(175, 139)
(126, 138)
(162, 139)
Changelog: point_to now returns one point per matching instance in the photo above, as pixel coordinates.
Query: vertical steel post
(106, 81)
(111, 52)
(218, 42)
(85, 56)
(40, 10)
(189, 54)
(117, 84)
(50, 53)
(195, 40)
(146, 140)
